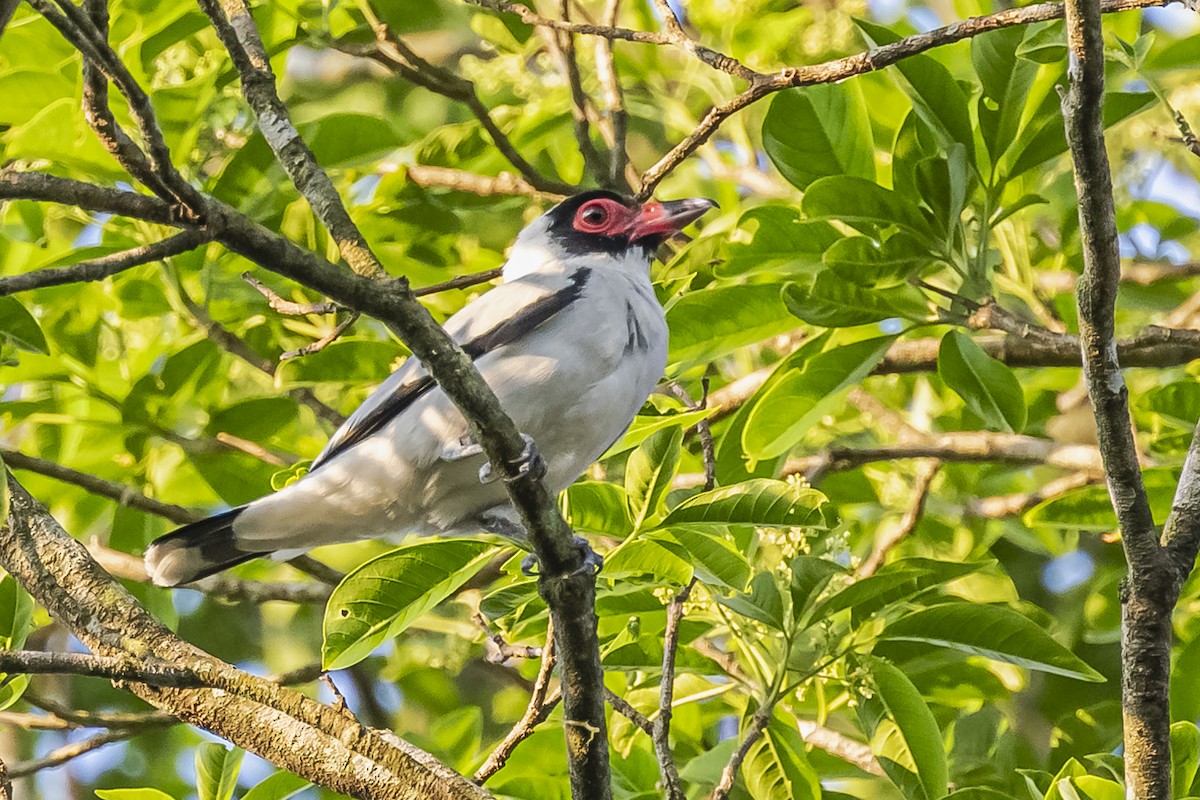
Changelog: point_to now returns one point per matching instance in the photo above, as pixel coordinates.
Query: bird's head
(601, 223)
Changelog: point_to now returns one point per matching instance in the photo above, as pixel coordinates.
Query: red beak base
(664, 220)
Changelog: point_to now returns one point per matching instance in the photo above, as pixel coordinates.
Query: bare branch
(907, 524)
(461, 282)
(287, 307)
(392, 51)
(843, 68)
(758, 723)
(324, 341)
(562, 44)
(75, 24)
(661, 731)
(622, 707)
(122, 494)
(234, 344)
(616, 116)
(1181, 533)
(17, 185)
(68, 752)
(1143, 274)
(959, 447)
(840, 746)
(505, 183)
(37, 662)
(287, 728)
(541, 702)
(106, 266)
(1012, 504)
(237, 31)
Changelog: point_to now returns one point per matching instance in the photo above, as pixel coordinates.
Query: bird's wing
(501, 316)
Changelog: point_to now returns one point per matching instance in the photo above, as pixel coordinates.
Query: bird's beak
(667, 219)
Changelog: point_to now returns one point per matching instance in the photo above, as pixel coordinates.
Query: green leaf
(987, 386)
(344, 140)
(788, 410)
(762, 502)
(646, 424)
(978, 793)
(776, 767)
(1049, 139)
(1006, 82)
(782, 242)
(16, 620)
(132, 794)
(862, 261)
(279, 786)
(597, 507)
(994, 632)
(649, 473)
(711, 323)
(763, 602)
(379, 599)
(647, 557)
(715, 559)
(830, 301)
(1185, 692)
(904, 735)
(1071, 769)
(1045, 43)
(820, 130)
(217, 769)
(1091, 787)
(896, 581)
(1185, 756)
(20, 328)
(936, 96)
(1178, 402)
(865, 206)
(1089, 508)
(810, 576)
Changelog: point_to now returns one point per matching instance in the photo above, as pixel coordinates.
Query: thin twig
(615, 115)
(235, 345)
(105, 266)
(394, 53)
(703, 430)
(238, 32)
(504, 184)
(68, 752)
(541, 702)
(122, 494)
(661, 732)
(858, 64)
(288, 307)
(37, 662)
(926, 472)
(758, 723)
(840, 746)
(1010, 505)
(461, 282)
(498, 648)
(324, 341)
(622, 707)
(562, 44)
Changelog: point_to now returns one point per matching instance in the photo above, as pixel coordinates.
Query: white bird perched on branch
(572, 342)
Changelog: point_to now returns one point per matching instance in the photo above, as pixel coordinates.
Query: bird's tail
(196, 551)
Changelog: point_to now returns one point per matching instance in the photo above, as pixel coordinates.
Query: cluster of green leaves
(946, 170)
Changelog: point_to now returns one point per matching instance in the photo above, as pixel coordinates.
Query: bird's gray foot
(460, 449)
(593, 562)
(529, 463)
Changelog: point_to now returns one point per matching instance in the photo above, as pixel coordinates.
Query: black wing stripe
(531, 318)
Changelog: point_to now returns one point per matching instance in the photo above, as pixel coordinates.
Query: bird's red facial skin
(603, 216)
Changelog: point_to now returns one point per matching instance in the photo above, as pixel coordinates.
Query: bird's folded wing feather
(500, 317)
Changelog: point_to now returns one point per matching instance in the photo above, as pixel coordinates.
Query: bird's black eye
(594, 215)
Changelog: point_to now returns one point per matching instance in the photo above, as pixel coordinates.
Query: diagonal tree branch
(98, 269)
(297, 733)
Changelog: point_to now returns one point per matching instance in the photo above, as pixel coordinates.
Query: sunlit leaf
(383, 596)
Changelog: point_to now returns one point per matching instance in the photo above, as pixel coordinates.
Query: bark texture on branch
(1151, 588)
(282, 726)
